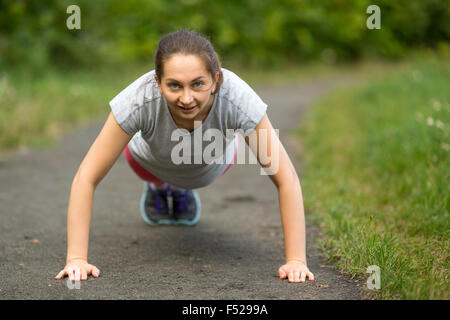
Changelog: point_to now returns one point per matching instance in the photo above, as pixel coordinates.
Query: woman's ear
(215, 82)
(159, 83)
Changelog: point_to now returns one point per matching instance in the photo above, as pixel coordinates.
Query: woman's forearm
(78, 219)
(293, 221)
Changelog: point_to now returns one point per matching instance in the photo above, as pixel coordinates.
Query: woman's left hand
(295, 271)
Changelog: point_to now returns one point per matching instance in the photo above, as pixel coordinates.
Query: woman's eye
(198, 84)
(174, 86)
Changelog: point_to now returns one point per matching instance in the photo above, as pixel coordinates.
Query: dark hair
(187, 42)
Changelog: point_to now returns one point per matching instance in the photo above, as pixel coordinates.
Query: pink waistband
(145, 175)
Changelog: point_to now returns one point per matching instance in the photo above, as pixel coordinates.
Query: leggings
(145, 175)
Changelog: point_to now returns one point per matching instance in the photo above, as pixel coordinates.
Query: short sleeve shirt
(186, 159)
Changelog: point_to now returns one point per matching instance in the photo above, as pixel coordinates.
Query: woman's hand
(78, 269)
(296, 271)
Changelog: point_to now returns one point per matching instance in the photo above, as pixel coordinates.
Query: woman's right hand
(78, 269)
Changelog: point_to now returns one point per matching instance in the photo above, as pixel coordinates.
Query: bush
(257, 32)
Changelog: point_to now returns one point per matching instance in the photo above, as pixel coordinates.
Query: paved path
(233, 253)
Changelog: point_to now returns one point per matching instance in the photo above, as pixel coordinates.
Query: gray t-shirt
(157, 143)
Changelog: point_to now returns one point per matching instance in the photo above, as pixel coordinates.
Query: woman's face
(187, 87)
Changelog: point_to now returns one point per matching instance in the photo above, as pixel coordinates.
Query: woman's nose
(186, 97)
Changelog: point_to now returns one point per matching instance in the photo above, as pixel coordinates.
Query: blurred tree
(33, 33)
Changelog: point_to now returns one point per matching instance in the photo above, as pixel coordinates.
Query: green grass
(375, 170)
(37, 109)
(376, 179)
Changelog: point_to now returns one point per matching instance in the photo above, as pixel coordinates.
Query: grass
(316, 70)
(375, 171)
(375, 177)
(36, 109)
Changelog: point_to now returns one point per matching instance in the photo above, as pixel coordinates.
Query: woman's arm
(273, 157)
(98, 161)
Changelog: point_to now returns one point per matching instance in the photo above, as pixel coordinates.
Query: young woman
(188, 87)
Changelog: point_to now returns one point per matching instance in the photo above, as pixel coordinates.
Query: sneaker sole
(170, 221)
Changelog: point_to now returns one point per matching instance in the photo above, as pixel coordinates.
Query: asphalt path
(234, 251)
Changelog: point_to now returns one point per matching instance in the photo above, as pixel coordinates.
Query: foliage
(376, 179)
(258, 32)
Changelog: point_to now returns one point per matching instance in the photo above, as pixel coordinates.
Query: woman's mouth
(187, 110)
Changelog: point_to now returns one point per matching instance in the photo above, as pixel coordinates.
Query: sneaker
(186, 206)
(154, 208)
(168, 205)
